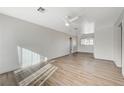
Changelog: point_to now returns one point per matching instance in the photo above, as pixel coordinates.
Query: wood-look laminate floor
(8, 79)
(83, 69)
(77, 69)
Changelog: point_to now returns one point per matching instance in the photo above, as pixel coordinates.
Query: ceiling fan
(68, 20)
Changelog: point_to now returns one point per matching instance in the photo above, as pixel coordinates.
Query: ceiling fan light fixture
(67, 24)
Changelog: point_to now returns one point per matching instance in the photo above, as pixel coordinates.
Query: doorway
(120, 43)
(70, 41)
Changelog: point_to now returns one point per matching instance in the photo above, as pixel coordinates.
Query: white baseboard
(118, 65)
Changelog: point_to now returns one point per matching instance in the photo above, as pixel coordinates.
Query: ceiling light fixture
(41, 9)
(67, 24)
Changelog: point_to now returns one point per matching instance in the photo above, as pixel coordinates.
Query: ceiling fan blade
(66, 22)
(74, 19)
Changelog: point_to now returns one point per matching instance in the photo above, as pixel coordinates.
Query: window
(87, 41)
(28, 57)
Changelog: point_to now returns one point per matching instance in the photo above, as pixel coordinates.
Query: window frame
(89, 40)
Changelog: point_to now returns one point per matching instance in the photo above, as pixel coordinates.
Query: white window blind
(28, 57)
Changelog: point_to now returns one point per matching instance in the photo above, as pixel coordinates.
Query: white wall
(103, 48)
(108, 43)
(8, 52)
(44, 41)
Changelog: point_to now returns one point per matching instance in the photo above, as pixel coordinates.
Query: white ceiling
(53, 16)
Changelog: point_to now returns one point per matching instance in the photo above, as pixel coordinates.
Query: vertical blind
(28, 57)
